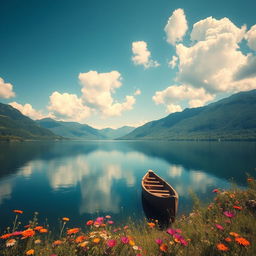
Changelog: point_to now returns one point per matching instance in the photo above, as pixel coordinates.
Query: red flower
(18, 211)
(89, 222)
(237, 207)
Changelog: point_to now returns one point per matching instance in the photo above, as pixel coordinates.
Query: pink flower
(125, 240)
(219, 227)
(183, 241)
(229, 214)
(171, 231)
(159, 241)
(125, 227)
(178, 236)
(100, 220)
(111, 243)
(110, 222)
(215, 190)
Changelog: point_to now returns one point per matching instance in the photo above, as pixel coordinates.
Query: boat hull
(157, 199)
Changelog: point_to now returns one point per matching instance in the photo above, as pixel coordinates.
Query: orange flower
(80, 239)
(38, 228)
(242, 241)
(222, 247)
(30, 252)
(83, 244)
(232, 195)
(73, 231)
(57, 242)
(28, 233)
(249, 179)
(163, 247)
(228, 239)
(43, 230)
(5, 236)
(237, 207)
(65, 219)
(18, 211)
(96, 240)
(234, 234)
(151, 224)
(131, 242)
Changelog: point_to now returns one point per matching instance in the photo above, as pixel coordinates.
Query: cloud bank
(210, 64)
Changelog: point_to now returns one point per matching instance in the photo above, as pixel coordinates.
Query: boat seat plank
(162, 195)
(152, 181)
(159, 191)
(154, 185)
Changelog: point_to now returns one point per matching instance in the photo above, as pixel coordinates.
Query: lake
(85, 179)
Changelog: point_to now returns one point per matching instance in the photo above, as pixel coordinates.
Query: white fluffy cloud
(68, 106)
(142, 55)
(97, 90)
(212, 63)
(6, 90)
(27, 110)
(176, 27)
(214, 58)
(173, 95)
(251, 37)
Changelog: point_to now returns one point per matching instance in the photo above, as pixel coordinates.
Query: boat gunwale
(161, 180)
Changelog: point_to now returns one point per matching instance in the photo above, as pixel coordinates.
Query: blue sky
(107, 63)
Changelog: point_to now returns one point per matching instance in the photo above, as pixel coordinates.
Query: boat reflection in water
(159, 199)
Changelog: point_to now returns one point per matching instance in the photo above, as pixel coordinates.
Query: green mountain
(110, 133)
(232, 118)
(79, 131)
(71, 130)
(15, 126)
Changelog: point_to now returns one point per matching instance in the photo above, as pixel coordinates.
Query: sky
(114, 63)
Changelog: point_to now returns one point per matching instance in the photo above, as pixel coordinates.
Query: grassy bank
(226, 226)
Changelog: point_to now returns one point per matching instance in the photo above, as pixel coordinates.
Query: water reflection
(92, 178)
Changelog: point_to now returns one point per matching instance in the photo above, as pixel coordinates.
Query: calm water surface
(82, 180)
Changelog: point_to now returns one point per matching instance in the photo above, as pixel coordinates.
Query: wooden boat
(159, 194)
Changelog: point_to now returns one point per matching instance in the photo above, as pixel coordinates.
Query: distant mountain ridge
(15, 126)
(79, 131)
(232, 118)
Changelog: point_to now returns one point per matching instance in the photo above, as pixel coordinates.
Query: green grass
(204, 232)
